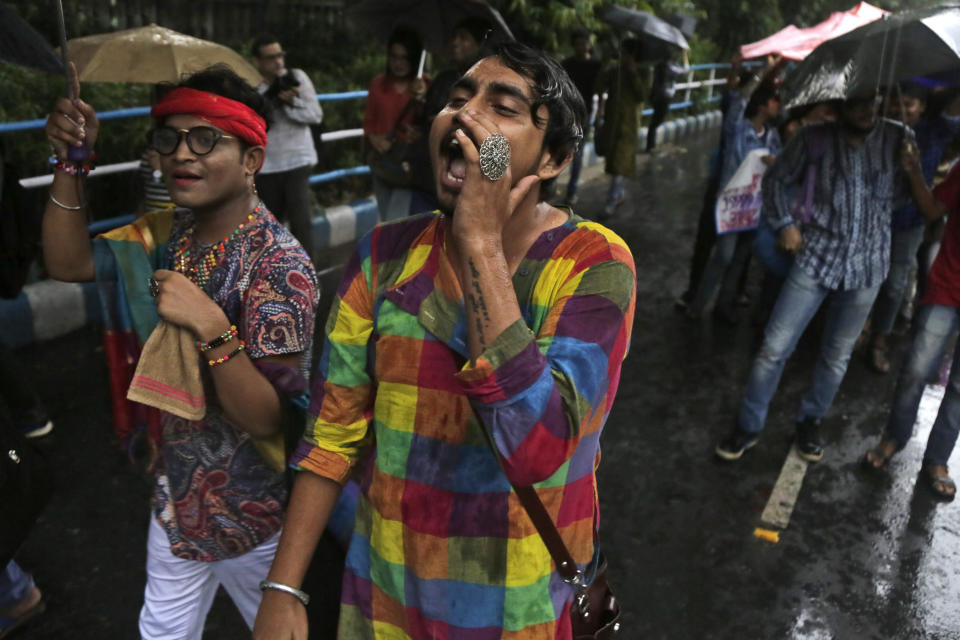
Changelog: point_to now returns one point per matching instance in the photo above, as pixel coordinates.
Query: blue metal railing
(136, 112)
(337, 174)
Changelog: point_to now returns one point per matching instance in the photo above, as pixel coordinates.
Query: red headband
(229, 115)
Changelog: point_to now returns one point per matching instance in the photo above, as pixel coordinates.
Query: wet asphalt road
(865, 556)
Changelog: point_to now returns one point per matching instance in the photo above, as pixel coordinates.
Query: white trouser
(179, 592)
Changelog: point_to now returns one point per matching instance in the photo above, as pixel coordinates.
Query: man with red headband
(223, 273)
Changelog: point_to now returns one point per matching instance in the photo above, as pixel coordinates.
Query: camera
(287, 81)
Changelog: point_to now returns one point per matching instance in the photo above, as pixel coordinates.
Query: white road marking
(784, 495)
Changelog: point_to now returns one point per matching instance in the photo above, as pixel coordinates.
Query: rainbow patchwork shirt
(441, 548)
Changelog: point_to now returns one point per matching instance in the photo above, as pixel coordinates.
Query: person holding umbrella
(665, 74)
(394, 101)
(467, 350)
(625, 85)
(238, 295)
(842, 252)
(466, 41)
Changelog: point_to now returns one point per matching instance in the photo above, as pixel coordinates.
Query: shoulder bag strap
(566, 566)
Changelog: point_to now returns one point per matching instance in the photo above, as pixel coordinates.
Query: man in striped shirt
(843, 252)
(491, 333)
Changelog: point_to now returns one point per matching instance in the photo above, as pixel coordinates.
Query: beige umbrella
(151, 54)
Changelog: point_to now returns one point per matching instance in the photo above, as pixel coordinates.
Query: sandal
(11, 623)
(878, 457)
(942, 486)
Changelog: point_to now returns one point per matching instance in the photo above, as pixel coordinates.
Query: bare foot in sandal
(21, 613)
(939, 480)
(879, 456)
(878, 357)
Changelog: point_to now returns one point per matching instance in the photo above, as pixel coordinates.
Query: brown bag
(595, 614)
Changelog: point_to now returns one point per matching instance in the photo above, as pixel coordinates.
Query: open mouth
(456, 165)
(453, 162)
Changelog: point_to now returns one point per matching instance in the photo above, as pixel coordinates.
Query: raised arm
(67, 251)
(932, 208)
(304, 106)
(536, 395)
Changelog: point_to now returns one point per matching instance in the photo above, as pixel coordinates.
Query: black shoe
(733, 446)
(809, 444)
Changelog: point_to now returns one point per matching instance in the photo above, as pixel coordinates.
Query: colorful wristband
(74, 168)
(223, 338)
(223, 359)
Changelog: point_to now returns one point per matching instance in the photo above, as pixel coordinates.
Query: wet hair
(262, 40)
(410, 41)
(760, 97)
(551, 88)
(223, 81)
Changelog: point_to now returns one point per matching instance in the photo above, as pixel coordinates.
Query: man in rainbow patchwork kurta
(495, 327)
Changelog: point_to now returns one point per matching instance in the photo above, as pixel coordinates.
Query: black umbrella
(645, 25)
(686, 24)
(20, 44)
(434, 20)
(894, 48)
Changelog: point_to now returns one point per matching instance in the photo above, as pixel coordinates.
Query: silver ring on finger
(154, 286)
(494, 156)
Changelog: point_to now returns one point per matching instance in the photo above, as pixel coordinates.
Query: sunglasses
(200, 140)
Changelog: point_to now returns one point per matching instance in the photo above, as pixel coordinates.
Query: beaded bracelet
(223, 359)
(74, 168)
(223, 338)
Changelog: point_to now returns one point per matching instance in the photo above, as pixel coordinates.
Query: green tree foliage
(549, 23)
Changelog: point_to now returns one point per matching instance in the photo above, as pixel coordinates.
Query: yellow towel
(168, 373)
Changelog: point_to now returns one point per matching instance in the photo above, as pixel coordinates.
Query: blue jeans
(727, 263)
(796, 305)
(713, 273)
(576, 166)
(616, 192)
(15, 585)
(903, 256)
(935, 325)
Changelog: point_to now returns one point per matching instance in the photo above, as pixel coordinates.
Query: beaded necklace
(199, 267)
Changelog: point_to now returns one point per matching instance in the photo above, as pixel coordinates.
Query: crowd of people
(846, 209)
(475, 343)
